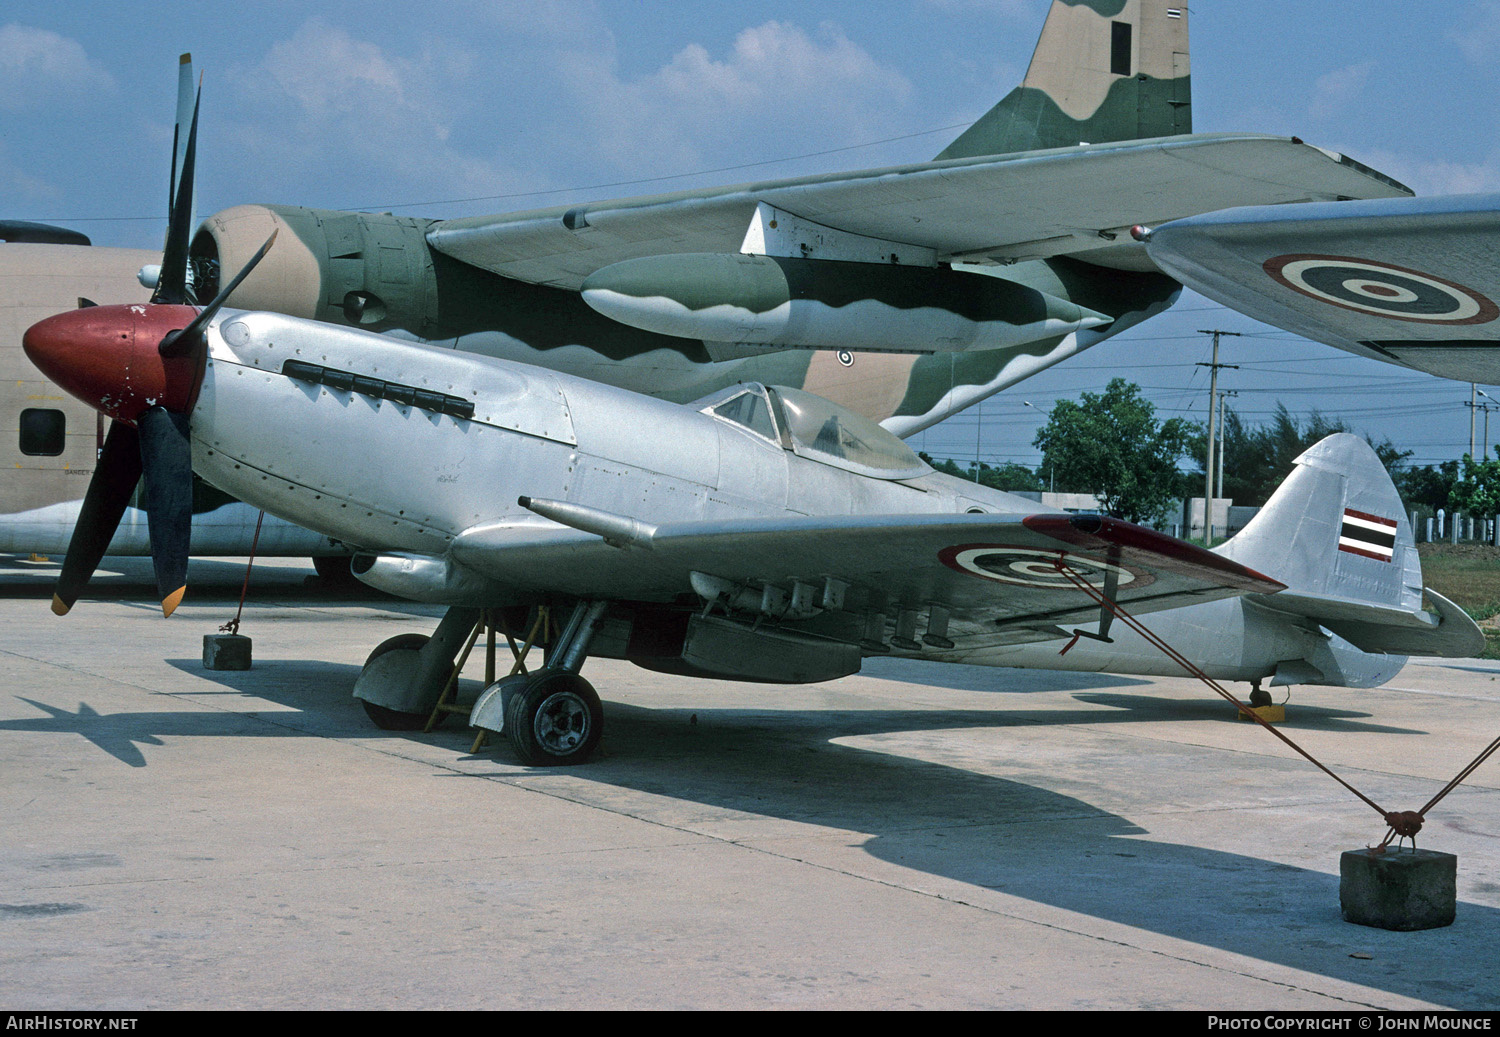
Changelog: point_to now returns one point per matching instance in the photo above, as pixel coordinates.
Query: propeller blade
(172, 285)
(186, 105)
(115, 476)
(178, 343)
(166, 458)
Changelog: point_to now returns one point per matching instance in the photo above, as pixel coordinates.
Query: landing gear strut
(404, 676)
(1258, 695)
(552, 717)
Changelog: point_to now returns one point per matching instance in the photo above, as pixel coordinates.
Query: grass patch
(1469, 576)
(1466, 574)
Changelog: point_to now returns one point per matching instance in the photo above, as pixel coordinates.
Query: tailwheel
(1259, 696)
(556, 720)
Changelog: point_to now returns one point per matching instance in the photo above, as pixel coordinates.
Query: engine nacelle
(369, 270)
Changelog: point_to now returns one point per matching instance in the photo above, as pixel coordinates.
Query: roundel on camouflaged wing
(1029, 567)
(1381, 289)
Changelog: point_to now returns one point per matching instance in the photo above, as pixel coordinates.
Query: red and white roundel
(1381, 289)
(1028, 567)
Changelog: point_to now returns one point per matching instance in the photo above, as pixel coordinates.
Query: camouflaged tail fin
(1103, 70)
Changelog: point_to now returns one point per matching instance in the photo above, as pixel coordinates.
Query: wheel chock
(1270, 714)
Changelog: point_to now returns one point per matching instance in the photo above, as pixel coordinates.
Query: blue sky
(467, 108)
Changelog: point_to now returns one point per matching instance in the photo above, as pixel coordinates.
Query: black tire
(333, 569)
(1259, 697)
(399, 643)
(556, 721)
(394, 719)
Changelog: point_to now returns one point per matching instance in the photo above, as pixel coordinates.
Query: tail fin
(1103, 70)
(1335, 532)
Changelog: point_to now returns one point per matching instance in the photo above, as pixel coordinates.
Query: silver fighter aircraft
(763, 533)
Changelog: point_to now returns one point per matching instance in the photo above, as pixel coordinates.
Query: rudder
(1336, 527)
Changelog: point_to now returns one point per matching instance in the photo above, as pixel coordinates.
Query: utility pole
(978, 432)
(1473, 405)
(1222, 451)
(1213, 407)
(1473, 402)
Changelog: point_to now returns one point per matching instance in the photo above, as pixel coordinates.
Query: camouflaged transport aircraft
(903, 293)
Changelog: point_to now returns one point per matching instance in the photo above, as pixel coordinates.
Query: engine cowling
(369, 270)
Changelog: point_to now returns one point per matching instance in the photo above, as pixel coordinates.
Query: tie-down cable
(1403, 824)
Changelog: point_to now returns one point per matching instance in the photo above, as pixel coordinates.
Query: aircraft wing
(993, 209)
(998, 575)
(1412, 281)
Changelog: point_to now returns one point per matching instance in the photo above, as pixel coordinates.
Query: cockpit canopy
(815, 428)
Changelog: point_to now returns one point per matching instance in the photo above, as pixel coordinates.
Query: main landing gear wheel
(556, 720)
(394, 719)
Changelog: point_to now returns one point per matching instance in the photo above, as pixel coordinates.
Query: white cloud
(327, 118)
(1480, 40)
(323, 102)
(39, 67)
(777, 91)
(1334, 91)
(1432, 176)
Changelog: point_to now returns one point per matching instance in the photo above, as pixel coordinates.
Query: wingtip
(171, 601)
(60, 607)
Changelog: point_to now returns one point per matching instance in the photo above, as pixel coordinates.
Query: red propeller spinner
(110, 358)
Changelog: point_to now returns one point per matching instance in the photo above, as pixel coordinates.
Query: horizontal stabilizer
(1386, 630)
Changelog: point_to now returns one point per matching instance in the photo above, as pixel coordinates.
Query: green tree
(1111, 445)
(1429, 486)
(1477, 490)
(1257, 458)
(1008, 476)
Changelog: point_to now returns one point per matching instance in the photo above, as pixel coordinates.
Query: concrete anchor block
(226, 652)
(1398, 889)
